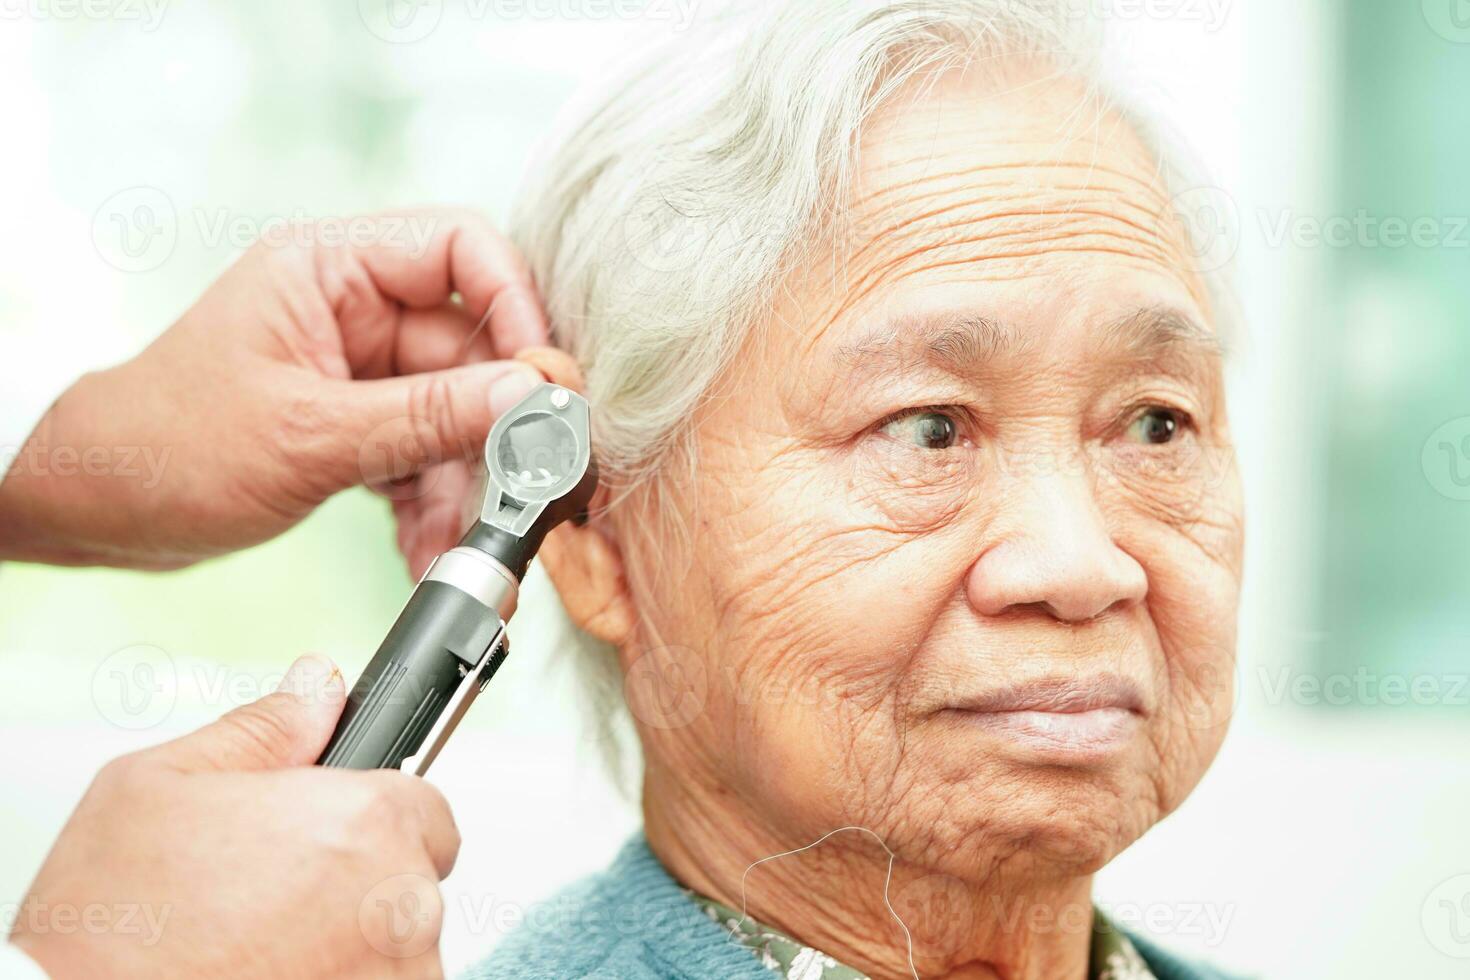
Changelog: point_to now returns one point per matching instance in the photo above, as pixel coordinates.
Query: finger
(433, 340)
(395, 428)
(456, 252)
(441, 834)
(438, 832)
(409, 341)
(287, 728)
(433, 519)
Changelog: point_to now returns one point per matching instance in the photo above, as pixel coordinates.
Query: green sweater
(635, 922)
(1112, 956)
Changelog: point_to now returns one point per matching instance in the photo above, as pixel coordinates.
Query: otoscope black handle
(440, 636)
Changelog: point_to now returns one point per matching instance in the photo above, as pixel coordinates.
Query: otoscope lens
(537, 453)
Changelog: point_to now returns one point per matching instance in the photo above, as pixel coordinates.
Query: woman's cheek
(911, 491)
(1174, 484)
(1191, 603)
(834, 547)
(1201, 688)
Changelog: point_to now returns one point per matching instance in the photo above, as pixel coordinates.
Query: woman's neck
(1000, 922)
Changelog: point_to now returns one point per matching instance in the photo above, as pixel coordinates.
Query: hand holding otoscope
(450, 638)
(444, 648)
(224, 852)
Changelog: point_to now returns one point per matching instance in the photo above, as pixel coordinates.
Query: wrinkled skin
(1009, 265)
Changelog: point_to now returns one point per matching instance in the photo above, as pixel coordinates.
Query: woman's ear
(587, 570)
(558, 366)
(584, 563)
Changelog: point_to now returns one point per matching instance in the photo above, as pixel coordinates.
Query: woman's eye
(927, 430)
(1156, 426)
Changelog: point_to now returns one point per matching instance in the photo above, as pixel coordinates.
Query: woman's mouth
(1059, 720)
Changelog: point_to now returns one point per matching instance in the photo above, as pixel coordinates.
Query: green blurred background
(1330, 830)
(1394, 551)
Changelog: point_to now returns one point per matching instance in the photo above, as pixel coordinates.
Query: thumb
(398, 427)
(287, 728)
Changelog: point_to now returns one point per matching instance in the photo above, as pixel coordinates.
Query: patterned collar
(1113, 956)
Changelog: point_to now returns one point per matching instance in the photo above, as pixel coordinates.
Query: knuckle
(120, 775)
(426, 798)
(262, 729)
(440, 814)
(302, 419)
(277, 256)
(384, 808)
(347, 282)
(423, 792)
(283, 261)
(432, 401)
(366, 835)
(462, 219)
(304, 431)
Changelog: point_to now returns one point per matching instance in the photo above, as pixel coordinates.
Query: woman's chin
(1057, 821)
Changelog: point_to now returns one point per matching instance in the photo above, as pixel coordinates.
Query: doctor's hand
(227, 854)
(304, 370)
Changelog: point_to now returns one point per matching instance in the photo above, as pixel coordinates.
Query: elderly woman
(921, 547)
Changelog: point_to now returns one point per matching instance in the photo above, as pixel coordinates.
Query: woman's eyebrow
(1156, 331)
(957, 341)
(964, 343)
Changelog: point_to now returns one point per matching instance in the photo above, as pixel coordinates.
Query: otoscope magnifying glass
(450, 638)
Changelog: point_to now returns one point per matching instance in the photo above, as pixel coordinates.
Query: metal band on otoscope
(479, 576)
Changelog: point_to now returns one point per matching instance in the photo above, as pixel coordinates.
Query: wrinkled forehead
(1015, 195)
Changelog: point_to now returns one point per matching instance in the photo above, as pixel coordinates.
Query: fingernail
(508, 389)
(309, 677)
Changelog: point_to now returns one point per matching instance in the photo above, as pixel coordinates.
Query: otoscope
(450, 638)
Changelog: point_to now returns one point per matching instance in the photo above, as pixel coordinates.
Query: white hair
(665, 211)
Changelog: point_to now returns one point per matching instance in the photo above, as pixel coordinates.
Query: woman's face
(963, 540)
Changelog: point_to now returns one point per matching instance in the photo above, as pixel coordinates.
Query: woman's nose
(1053, 551)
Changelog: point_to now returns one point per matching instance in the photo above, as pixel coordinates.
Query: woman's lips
(1062, 719)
